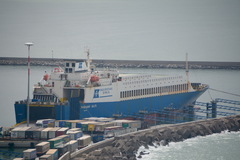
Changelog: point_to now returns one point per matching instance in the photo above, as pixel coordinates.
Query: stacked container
(52, 132)
(42, 147)
(72, 146)
(46, 157)
(62, 149)
(84, 141)
(55, 142)
(44, 133)
(61, 131)
(74, 135)
(65, 138)
(53, 153)
(29, 154)
(37, 133)
(19, 132)
(102, 125)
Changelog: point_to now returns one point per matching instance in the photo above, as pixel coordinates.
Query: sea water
(219, 146)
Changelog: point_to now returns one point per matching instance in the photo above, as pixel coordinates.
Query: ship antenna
(88, 59)
(187, 72)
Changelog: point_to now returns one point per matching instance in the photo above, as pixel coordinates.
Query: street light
(28, 44)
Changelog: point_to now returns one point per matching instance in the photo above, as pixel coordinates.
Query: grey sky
(209, 30)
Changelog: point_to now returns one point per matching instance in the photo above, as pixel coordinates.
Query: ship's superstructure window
(173, 89)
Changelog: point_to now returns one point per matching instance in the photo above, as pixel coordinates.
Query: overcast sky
(209, 30)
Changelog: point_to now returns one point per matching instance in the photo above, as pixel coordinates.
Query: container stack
(42, 148)
(30, 154)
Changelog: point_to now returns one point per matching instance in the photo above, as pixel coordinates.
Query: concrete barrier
(126, 146)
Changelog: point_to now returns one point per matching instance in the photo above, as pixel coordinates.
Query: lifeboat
(94, 78)
(45, 77)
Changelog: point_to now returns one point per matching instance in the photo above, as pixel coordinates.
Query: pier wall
(126, 146)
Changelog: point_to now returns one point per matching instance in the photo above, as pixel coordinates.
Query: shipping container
(45, 123)
(29, 154)
(29, 133)
(110, 131)
(59, 123)
(73, 146)
(78, 125)
(65, 138)
(84, 141)
(37, 133)
(68, 125)
(55, 142)
(91, 125)
(73, 129)
(46, 157)
(134, 124)
(52, 132)
(54, 153)
(19, 132)
(74, 135)
(61, 131)
(62, 149)
(97, 137)
(102, 125)
(44, 133)
(42, 147)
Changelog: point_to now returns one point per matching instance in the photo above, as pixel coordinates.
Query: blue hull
(77, 110)
(130, 107)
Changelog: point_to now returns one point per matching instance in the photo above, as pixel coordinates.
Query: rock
(163, 142)
(97, 152)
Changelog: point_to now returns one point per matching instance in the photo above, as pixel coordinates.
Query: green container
(55, 142)
(125, 125)
(84, 127)
(68, 124)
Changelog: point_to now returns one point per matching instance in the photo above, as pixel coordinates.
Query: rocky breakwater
(125, 147)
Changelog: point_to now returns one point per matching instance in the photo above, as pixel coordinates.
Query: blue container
(62, 123)
(78, 125)
(97, 138)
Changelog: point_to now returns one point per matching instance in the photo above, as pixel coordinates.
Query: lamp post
(28, 44)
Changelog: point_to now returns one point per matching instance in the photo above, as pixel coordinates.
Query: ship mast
(187, 72)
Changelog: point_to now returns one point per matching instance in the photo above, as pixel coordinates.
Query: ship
(80, 90)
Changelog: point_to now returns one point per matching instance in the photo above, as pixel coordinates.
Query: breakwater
(125, 147)
(123, 63)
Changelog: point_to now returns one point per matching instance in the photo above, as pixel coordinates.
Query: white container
(42, 147)
(52, 132)
(44, 133)
(73, 146)
(53, 153)
(84, 141)
(29, 154)
(19, 132)
(73, 130)
(46, 157)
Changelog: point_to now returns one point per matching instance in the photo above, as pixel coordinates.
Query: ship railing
(199, 86)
